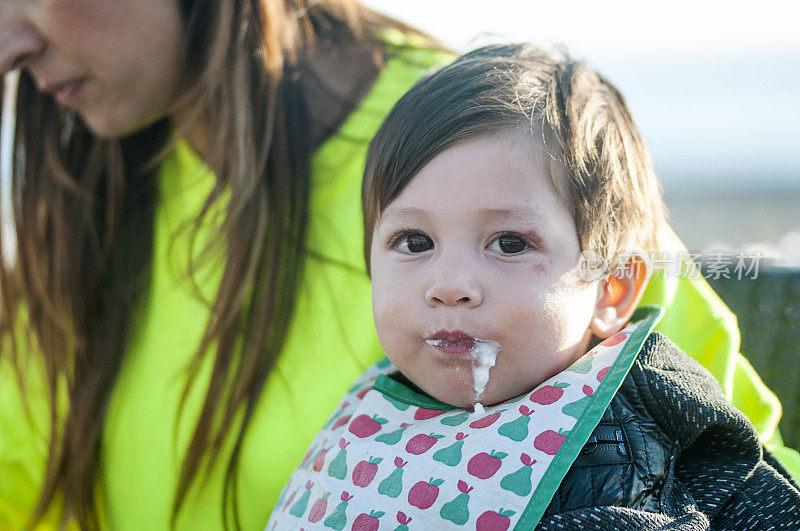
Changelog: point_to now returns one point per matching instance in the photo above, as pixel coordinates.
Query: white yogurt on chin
(484, 356)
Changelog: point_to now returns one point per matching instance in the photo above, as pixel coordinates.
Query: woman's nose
(20, 43)
(451, 287)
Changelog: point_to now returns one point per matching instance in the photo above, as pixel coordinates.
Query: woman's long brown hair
(84, 212)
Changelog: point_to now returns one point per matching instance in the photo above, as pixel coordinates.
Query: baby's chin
(466, 399)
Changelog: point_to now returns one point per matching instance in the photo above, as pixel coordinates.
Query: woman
(198, 320)
(254, 87)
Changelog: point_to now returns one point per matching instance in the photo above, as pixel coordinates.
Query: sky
(714, 88)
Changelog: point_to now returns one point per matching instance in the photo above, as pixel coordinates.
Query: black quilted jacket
(672, 453)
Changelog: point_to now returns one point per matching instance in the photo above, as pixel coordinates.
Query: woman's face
(116, 62)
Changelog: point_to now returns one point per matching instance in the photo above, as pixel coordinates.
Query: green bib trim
(393, 388)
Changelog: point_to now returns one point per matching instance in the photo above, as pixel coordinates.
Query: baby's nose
(451, 289)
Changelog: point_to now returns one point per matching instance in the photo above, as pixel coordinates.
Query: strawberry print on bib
(392, 458)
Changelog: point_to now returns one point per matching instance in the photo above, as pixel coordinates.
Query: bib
(392, 458)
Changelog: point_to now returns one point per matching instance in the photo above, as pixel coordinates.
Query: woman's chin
(107, 127)
(107, 124)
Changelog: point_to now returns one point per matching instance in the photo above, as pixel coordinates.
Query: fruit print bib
(392, 458)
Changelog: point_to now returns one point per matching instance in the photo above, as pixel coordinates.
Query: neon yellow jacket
(141, 447)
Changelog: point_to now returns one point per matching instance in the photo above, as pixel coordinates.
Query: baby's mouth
(482, 352)
(451, 342)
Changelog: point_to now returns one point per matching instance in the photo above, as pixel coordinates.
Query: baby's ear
(618, 296)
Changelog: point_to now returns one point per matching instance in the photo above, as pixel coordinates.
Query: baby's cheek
(391, 320)
(390, 306)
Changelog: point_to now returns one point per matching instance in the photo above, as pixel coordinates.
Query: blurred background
(715, 89)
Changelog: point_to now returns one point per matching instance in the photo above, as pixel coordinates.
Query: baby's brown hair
(579, 118)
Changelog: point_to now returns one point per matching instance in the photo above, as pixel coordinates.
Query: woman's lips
(451, 342)
(66, 94)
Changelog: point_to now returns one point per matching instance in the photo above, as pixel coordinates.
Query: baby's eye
(508, 244)
(412, 242)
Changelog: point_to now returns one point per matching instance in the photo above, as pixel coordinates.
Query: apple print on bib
(396, 459)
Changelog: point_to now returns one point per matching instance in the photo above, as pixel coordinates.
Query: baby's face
(479, 247)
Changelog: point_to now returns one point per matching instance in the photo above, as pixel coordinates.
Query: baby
(523, 387)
